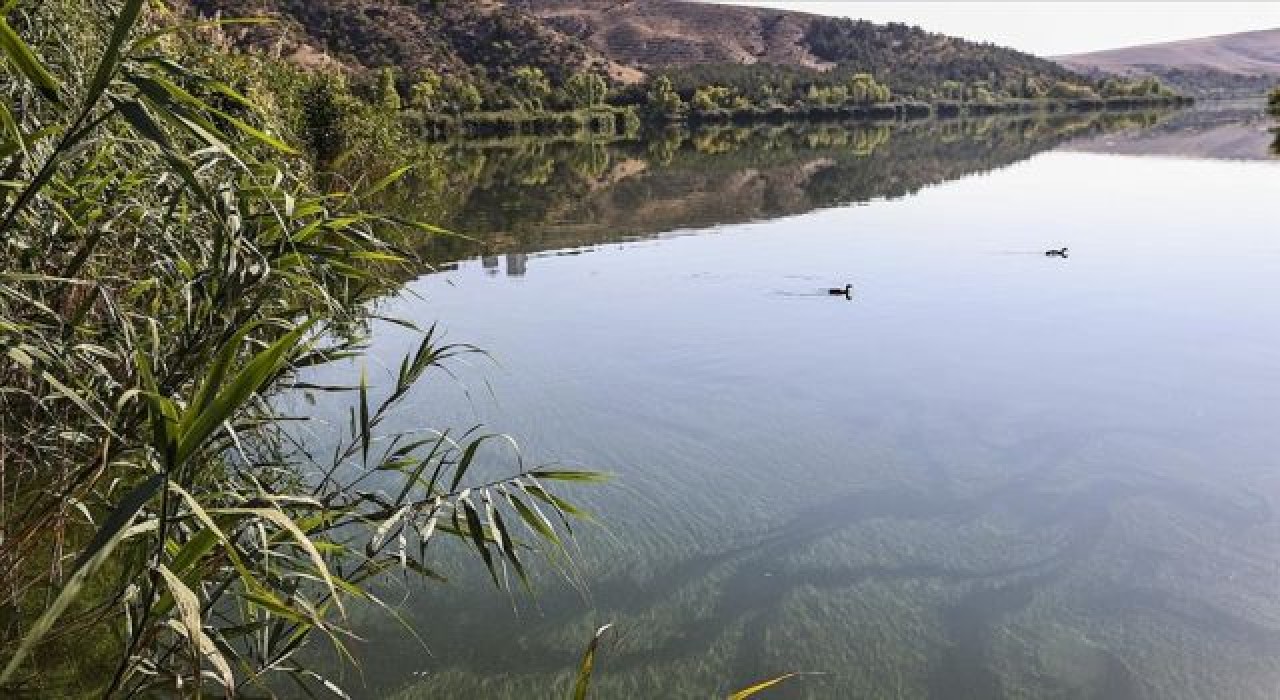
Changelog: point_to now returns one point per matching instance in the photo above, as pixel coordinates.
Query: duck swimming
(847, 291)
(1059, 253)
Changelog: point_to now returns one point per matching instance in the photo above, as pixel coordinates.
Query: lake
(988, 474)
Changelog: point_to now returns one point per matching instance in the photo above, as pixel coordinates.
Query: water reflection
(995, 476)
(1230, 131)
(529, 195)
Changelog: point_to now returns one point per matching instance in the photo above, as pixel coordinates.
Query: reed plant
(171, 270)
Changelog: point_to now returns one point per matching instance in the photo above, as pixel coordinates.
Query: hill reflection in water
(523, 197)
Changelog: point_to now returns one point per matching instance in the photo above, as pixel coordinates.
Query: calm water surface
(991, 474)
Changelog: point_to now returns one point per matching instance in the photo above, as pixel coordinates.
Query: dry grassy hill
(628, 39)
(649, 36)
(451, 36)
(660, 33)
(1248, 61)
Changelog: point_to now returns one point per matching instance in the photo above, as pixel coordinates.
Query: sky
(1055, 28)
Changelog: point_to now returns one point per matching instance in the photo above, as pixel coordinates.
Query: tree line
(723, 91)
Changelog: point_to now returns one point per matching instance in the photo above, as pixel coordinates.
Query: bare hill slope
(628, 39)
(647, 33)
(661, 35)
(1248, 62)
(1249, 53)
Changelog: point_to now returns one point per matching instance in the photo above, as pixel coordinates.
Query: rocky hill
(1228, 65)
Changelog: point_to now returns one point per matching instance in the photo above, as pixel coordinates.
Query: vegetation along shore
(172, 267)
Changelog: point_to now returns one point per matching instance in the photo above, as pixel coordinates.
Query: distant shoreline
(893, 111)
(623, 121)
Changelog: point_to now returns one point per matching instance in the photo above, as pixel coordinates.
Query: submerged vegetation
(171, 273)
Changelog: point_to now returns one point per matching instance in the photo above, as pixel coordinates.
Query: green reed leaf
(765, 685)
(197, 427)
(25, 60)
(110, 60)
(476, 530)
(587, 667)
(366, 430)
(566, 475)
(534, 519)
(188, 606)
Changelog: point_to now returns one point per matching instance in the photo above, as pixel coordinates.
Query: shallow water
(988, 474)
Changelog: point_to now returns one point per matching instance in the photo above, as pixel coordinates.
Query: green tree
(388, 95)
(426, 92)
(1273, 102)
(1071, 91)
(763, 93)
(460, 95)
(586, 90)
(710, 98)
(325, 102)
(663, 100)
(1032, 88)
(952, 90)
(662, 147)
(832, 95)
(864, 89)
(531, 85)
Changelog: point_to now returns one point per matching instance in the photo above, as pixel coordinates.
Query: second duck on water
(846, 292)
(1059, 253)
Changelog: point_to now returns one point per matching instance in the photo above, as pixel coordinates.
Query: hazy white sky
(1051, 28)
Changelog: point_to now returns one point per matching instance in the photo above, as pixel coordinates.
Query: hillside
(628, 40)
(663, 33)
(651, 35)
(1228, 65)
(450, 36)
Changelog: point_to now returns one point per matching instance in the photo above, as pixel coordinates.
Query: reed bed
(169, 268)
